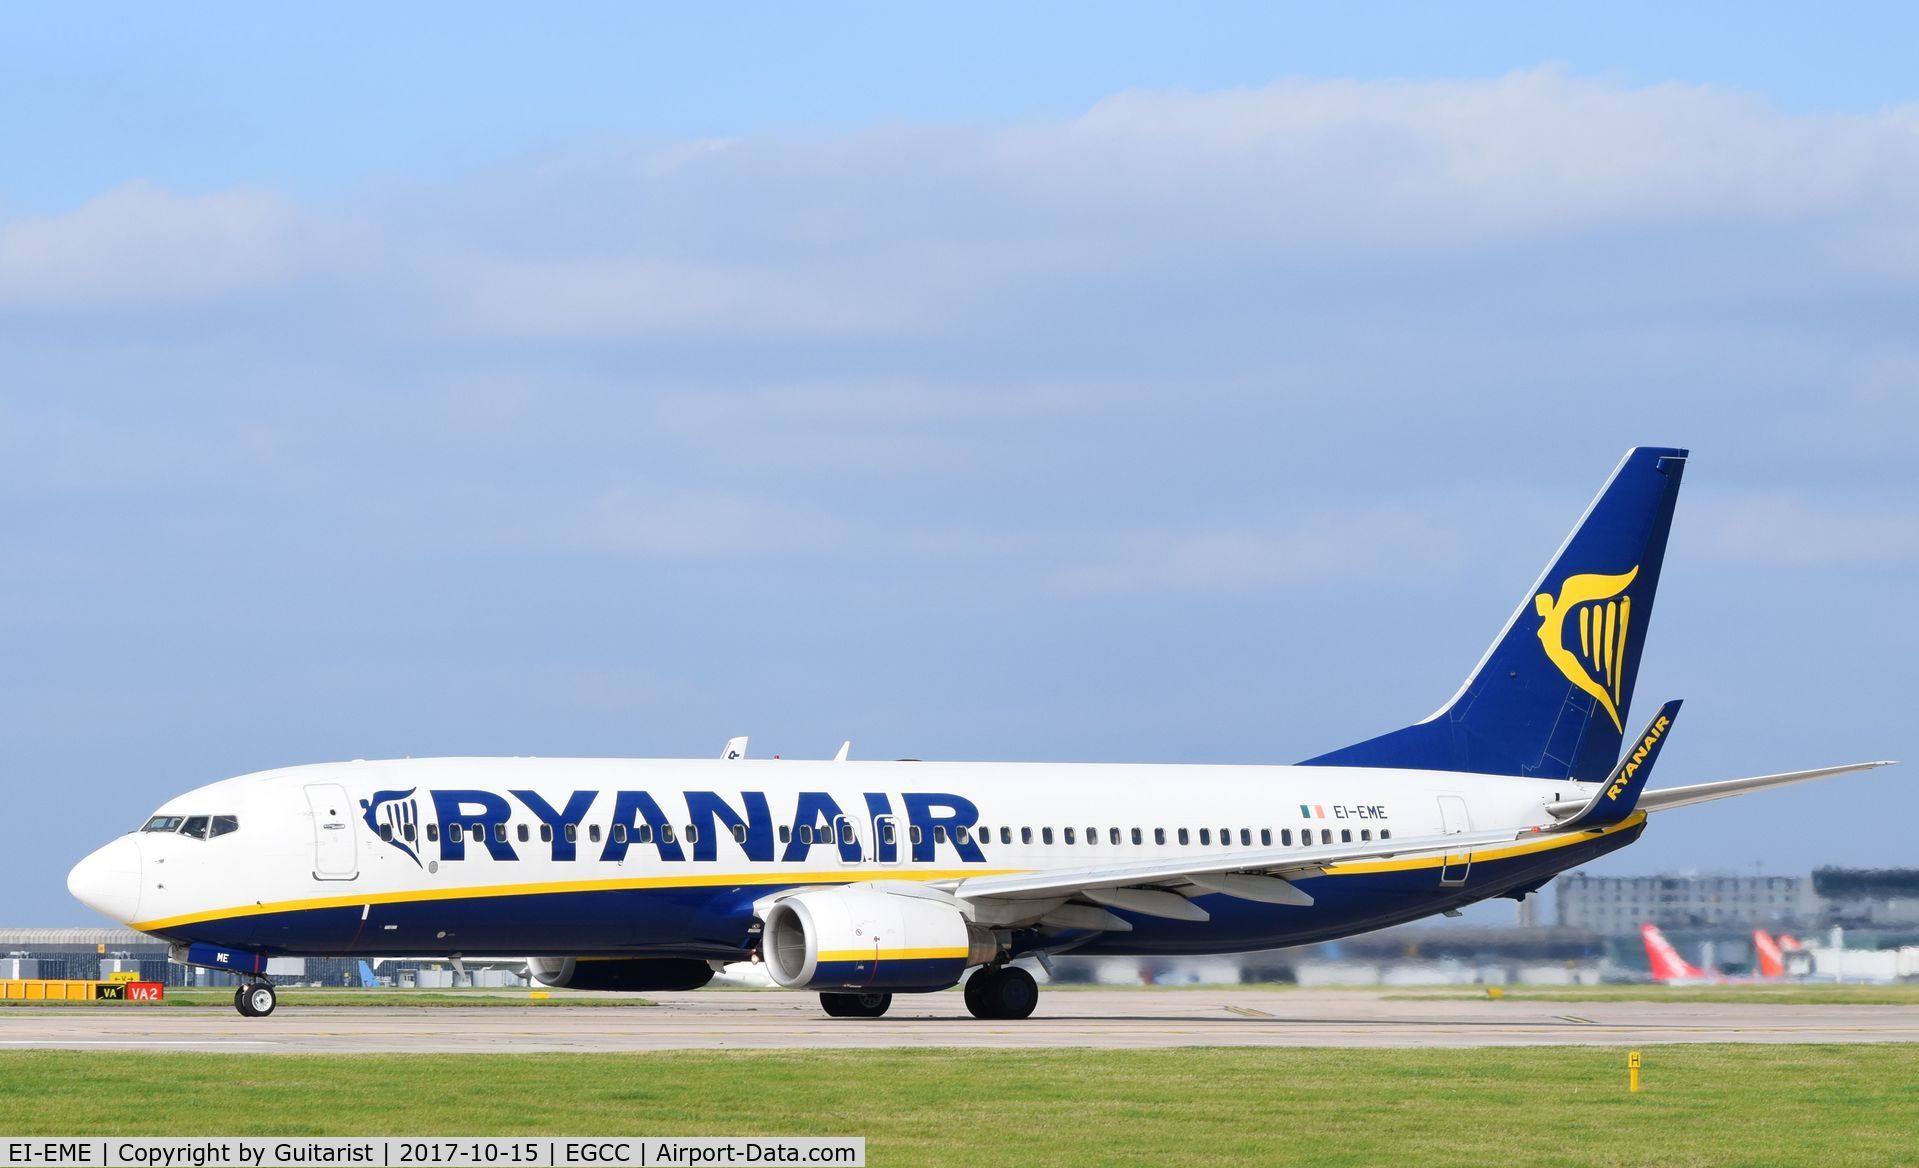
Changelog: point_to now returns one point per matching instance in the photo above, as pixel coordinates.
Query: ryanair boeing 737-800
(860, 880)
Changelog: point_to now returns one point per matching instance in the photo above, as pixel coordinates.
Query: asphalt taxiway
(721, 1020)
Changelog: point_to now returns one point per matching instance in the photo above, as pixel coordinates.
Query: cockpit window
(163, 823)
(195, 826)
(224, 825)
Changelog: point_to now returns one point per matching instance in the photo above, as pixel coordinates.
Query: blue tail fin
(1549, 698)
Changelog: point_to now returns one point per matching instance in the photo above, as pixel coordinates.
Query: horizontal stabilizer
(1673, 797)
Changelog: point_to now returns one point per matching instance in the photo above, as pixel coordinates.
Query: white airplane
(859, 880)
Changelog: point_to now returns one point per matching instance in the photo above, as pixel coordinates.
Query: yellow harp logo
(1597, 604)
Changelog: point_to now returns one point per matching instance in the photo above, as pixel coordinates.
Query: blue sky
(1090, 384)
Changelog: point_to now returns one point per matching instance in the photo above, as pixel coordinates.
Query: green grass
(304, 996)
(1780, 995)
(1701, 1105)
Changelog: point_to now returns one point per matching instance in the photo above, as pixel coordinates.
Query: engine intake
(888, 935)
(620, 973)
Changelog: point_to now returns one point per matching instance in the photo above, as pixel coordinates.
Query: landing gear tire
(855, 1005)
(1007, 993)
(256, 1000)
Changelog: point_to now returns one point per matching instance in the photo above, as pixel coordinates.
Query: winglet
(1619, 794)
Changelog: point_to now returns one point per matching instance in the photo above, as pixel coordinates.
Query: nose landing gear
(255, 999)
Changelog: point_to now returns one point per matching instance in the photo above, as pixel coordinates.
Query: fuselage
(608, 857)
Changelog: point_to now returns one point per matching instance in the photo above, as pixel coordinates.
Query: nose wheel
(255, 999)
(1005, 993)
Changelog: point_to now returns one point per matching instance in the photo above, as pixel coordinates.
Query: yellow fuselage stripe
(481, 891)
(835, 876)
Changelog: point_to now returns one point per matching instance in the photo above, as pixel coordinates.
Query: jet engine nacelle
(620, 973)
(886, 935)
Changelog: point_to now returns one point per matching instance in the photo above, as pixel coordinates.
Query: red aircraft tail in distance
(1772, 962)
(1667, 964)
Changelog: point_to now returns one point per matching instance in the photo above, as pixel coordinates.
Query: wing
(1161, 887)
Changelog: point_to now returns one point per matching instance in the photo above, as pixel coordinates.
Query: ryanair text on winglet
(1639, 755)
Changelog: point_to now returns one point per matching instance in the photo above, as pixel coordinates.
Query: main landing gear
(855, 1005)
(1002, 992)
(255, 999)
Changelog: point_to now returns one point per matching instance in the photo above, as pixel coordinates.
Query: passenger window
(1225, 837)
(572, 833)
(546, 833)
(1045, 835)
(618, 832)
(1345, 835)
(499, 833)
(228, 824)
(1137, 837)
(386, 833)
(1026, 835)
(1385, 833)
(692, 833)
(433, 833)
(739, 833)
(454, 833)
(1159, 835)
(643, 833)
(1205, 835)
(806, 833)
(523, 833)
(593, 833)
(1365, 835)
(195, 826)
(914, 833)
(479, 832)
(408, 832)
(1184, 837)
(985, 834)
(1112, 835)
(1070, 837)
(1325, 835)
(1286, 837)
(1092, 835)
(1245, 837)
(959, 835)
(939, 833)
(886, 833)
(786, 834)
(1265, 837)
(1006, 835)
(666, 833)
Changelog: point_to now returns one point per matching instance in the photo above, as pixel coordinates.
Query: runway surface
(718, 1020)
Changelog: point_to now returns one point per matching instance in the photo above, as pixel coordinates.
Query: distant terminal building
(1620, 904)
(1848, 897)
(1869, 898)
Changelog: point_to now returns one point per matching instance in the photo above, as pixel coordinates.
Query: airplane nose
(108, 881)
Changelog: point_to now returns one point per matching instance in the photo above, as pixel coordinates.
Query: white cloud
(143, 246)
(639, 296)
(1788, 529)
(926, 229)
